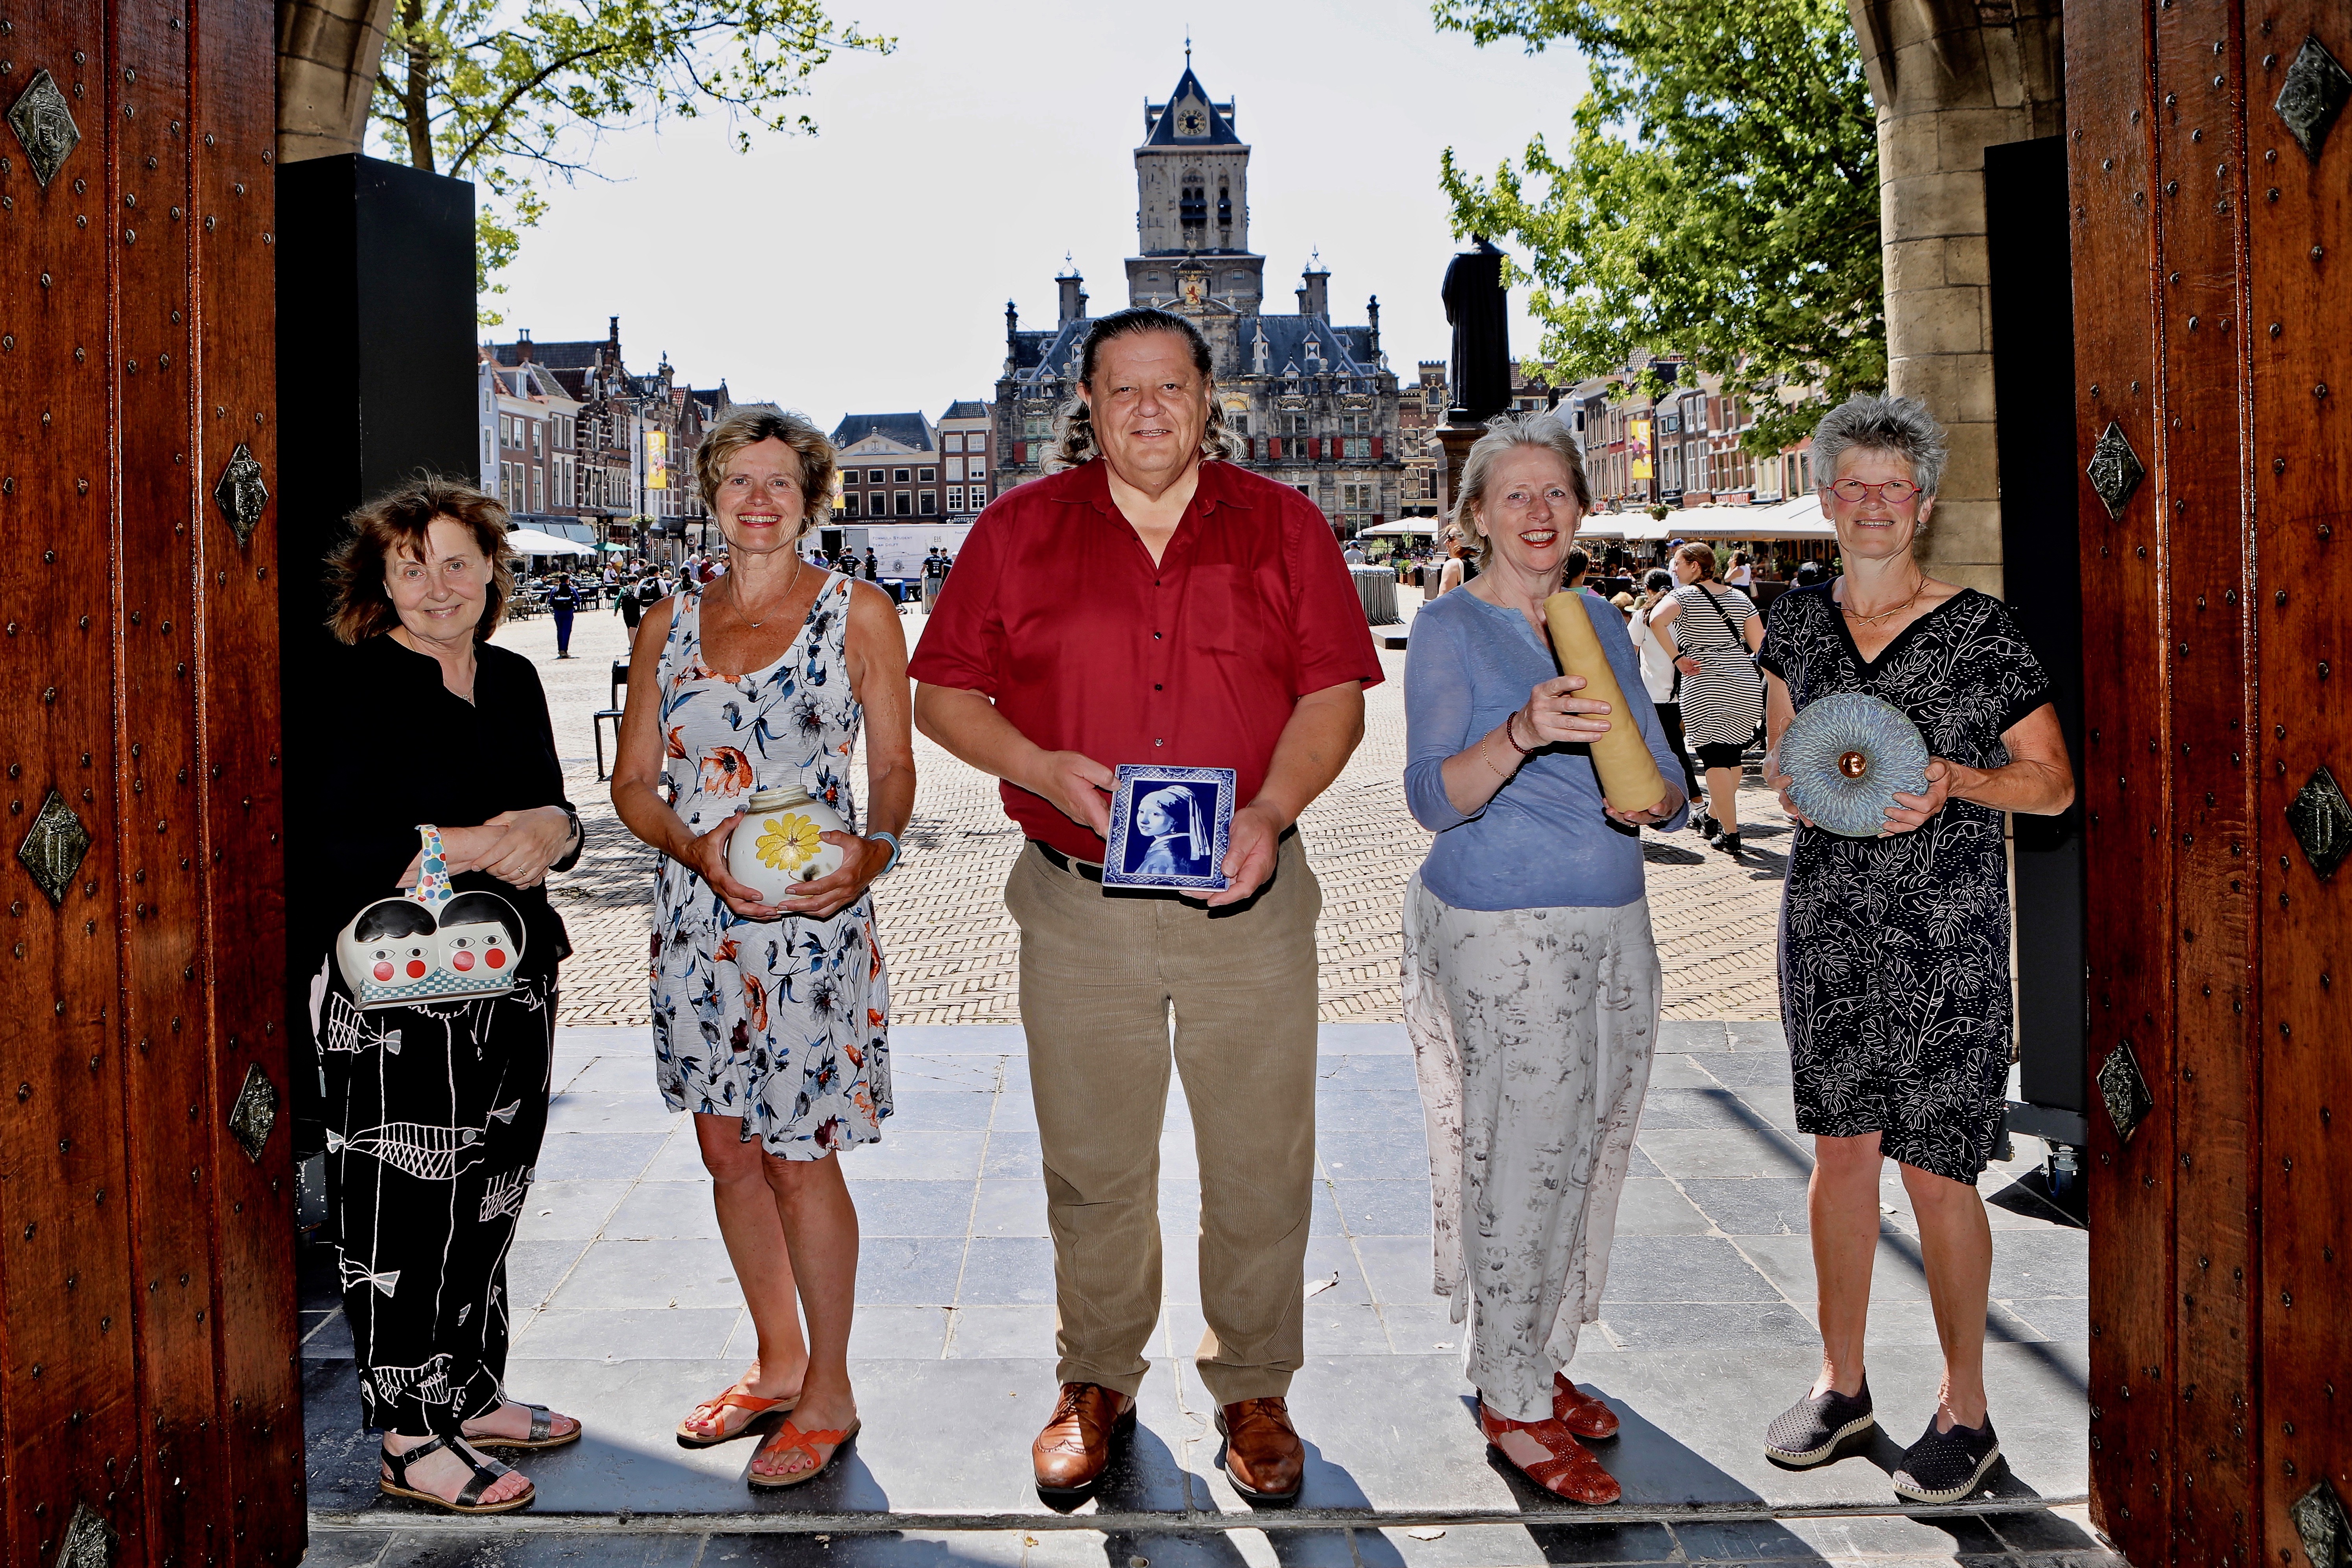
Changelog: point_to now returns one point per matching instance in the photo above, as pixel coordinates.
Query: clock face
(1191, 123)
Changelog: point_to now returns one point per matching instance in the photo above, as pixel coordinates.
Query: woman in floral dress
(771, 1022)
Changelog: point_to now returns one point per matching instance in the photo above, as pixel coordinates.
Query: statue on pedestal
(1479, 371)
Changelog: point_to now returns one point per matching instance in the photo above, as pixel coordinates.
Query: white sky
(867, 268)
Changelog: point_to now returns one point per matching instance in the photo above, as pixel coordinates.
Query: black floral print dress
(1895, 983)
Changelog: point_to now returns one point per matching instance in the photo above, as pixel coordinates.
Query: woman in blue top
(1531, 983)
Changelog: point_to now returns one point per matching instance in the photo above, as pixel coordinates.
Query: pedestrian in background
(1895, 950)
(1712, 635)
(771, 1022)
(1531, 976)
(1097, 625)
(1660, 678)
(563, 601)
(627, 605)
(1457, 569)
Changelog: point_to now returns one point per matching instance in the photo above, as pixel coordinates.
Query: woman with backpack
(1712, 634)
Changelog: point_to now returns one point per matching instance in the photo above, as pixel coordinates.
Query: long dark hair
(395, 523)
(1074, 435)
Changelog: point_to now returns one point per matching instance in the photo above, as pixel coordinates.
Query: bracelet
(892, 840)
(1512, 736)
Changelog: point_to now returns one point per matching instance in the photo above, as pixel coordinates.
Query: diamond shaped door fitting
(2319, 1518)
(2124, 1090)
(2313, 95)
(2114, 470)
(240, 493)
(89, 1540)
(2321, 820)
(44, 123)
(254, 1113)
(53, 846)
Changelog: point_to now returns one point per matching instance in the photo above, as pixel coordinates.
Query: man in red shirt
(1146, 606)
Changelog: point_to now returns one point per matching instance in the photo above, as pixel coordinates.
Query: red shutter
(1315, 448)
(1020, 451)
(1274, 449)
(1378, 445)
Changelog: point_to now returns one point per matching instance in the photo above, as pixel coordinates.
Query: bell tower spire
(1192, 178)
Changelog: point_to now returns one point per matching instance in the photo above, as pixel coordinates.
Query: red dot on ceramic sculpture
(416, 969)
(496, 958)
(461, 960)
(383, 972)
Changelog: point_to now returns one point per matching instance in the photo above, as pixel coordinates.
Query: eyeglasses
(1894, 492)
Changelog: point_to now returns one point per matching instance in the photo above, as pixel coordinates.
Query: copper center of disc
(1853, 764)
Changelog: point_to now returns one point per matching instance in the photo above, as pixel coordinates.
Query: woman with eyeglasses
(1895, 950)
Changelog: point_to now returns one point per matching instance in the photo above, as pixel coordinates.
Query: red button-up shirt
(1056, 612)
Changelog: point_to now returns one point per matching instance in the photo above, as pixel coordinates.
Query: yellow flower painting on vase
(788, 843)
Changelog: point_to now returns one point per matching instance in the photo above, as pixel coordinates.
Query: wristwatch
(579, 839)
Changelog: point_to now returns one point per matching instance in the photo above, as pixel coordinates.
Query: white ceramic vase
(776, 846)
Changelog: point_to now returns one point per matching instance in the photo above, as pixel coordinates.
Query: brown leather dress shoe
(1263, 1453)
(1070, 1452)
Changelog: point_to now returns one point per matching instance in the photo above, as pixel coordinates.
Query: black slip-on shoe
(1709, 828)
(1945, 1467)
(1818, 1427)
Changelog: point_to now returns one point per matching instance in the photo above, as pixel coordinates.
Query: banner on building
(656, 459)
(1637, 448)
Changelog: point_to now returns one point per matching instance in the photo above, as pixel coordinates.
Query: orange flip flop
(792, 1439)
(733, 1399)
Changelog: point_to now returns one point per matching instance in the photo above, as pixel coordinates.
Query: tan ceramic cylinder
(1629, 774)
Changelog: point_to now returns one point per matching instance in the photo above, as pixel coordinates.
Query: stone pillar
(328, 51)
(1951, 77)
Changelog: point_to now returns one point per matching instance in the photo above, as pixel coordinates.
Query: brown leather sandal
(733, 1399)
(792, 1439)
(1571, 1472)
(1579, 1411)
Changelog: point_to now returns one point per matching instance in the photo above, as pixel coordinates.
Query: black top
(563, 597)
(403, 749)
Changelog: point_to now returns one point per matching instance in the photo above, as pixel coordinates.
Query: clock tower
(1191, 180)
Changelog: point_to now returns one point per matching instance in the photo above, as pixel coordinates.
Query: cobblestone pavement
(953, 949)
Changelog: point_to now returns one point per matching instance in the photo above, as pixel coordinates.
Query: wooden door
(2211, 180)
(149, 1392)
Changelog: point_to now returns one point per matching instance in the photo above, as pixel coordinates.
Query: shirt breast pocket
(1227, 615)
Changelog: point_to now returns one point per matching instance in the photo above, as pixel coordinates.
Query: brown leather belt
(1092, 869)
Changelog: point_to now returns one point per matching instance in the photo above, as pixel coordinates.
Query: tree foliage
(1719, 197)
(511, 93)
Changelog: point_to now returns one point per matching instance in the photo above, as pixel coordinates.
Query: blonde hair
(749, 428)
(1505, 433)
(1073, 424)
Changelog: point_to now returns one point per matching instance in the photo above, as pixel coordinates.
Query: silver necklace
(738, 595)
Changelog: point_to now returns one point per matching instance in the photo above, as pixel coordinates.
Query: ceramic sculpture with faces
(432, 944)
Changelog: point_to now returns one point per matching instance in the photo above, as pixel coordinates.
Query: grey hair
(1898, 427)
(1505, 433)
(1074, 423)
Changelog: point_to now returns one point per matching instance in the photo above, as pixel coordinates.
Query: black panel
(2034, 353)
(376, 381)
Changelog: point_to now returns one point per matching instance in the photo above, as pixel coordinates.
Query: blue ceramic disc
(1847, 754)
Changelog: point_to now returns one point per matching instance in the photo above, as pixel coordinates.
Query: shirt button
(1155, 636)
(1155, 685)
(1159, 742)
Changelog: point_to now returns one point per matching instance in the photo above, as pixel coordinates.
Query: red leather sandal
(1571, 1472)
(792, 1439)
(1579, 1411)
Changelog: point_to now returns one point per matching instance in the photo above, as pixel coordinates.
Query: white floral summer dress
(784, 1022)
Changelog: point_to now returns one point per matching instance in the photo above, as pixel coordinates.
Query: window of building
(1360, 448)
(975, 442)
(955, 468)
(903, 476)
(976, 497)
(1237, 423)
(953, 442)
(906, 504)
(538, 491)
(849, 502)
(534, 424)
(927, 477)
(1299, 423)
(955, 498)
(930, 503)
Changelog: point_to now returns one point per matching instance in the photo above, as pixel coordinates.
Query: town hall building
(1313, 403)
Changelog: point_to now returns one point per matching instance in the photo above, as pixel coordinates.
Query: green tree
(1719, 199)
(511, 95)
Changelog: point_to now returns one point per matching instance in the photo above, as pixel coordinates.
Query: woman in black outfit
(434, 1110)
(563, 601)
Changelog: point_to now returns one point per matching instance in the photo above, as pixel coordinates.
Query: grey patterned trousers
(1532, 1032)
